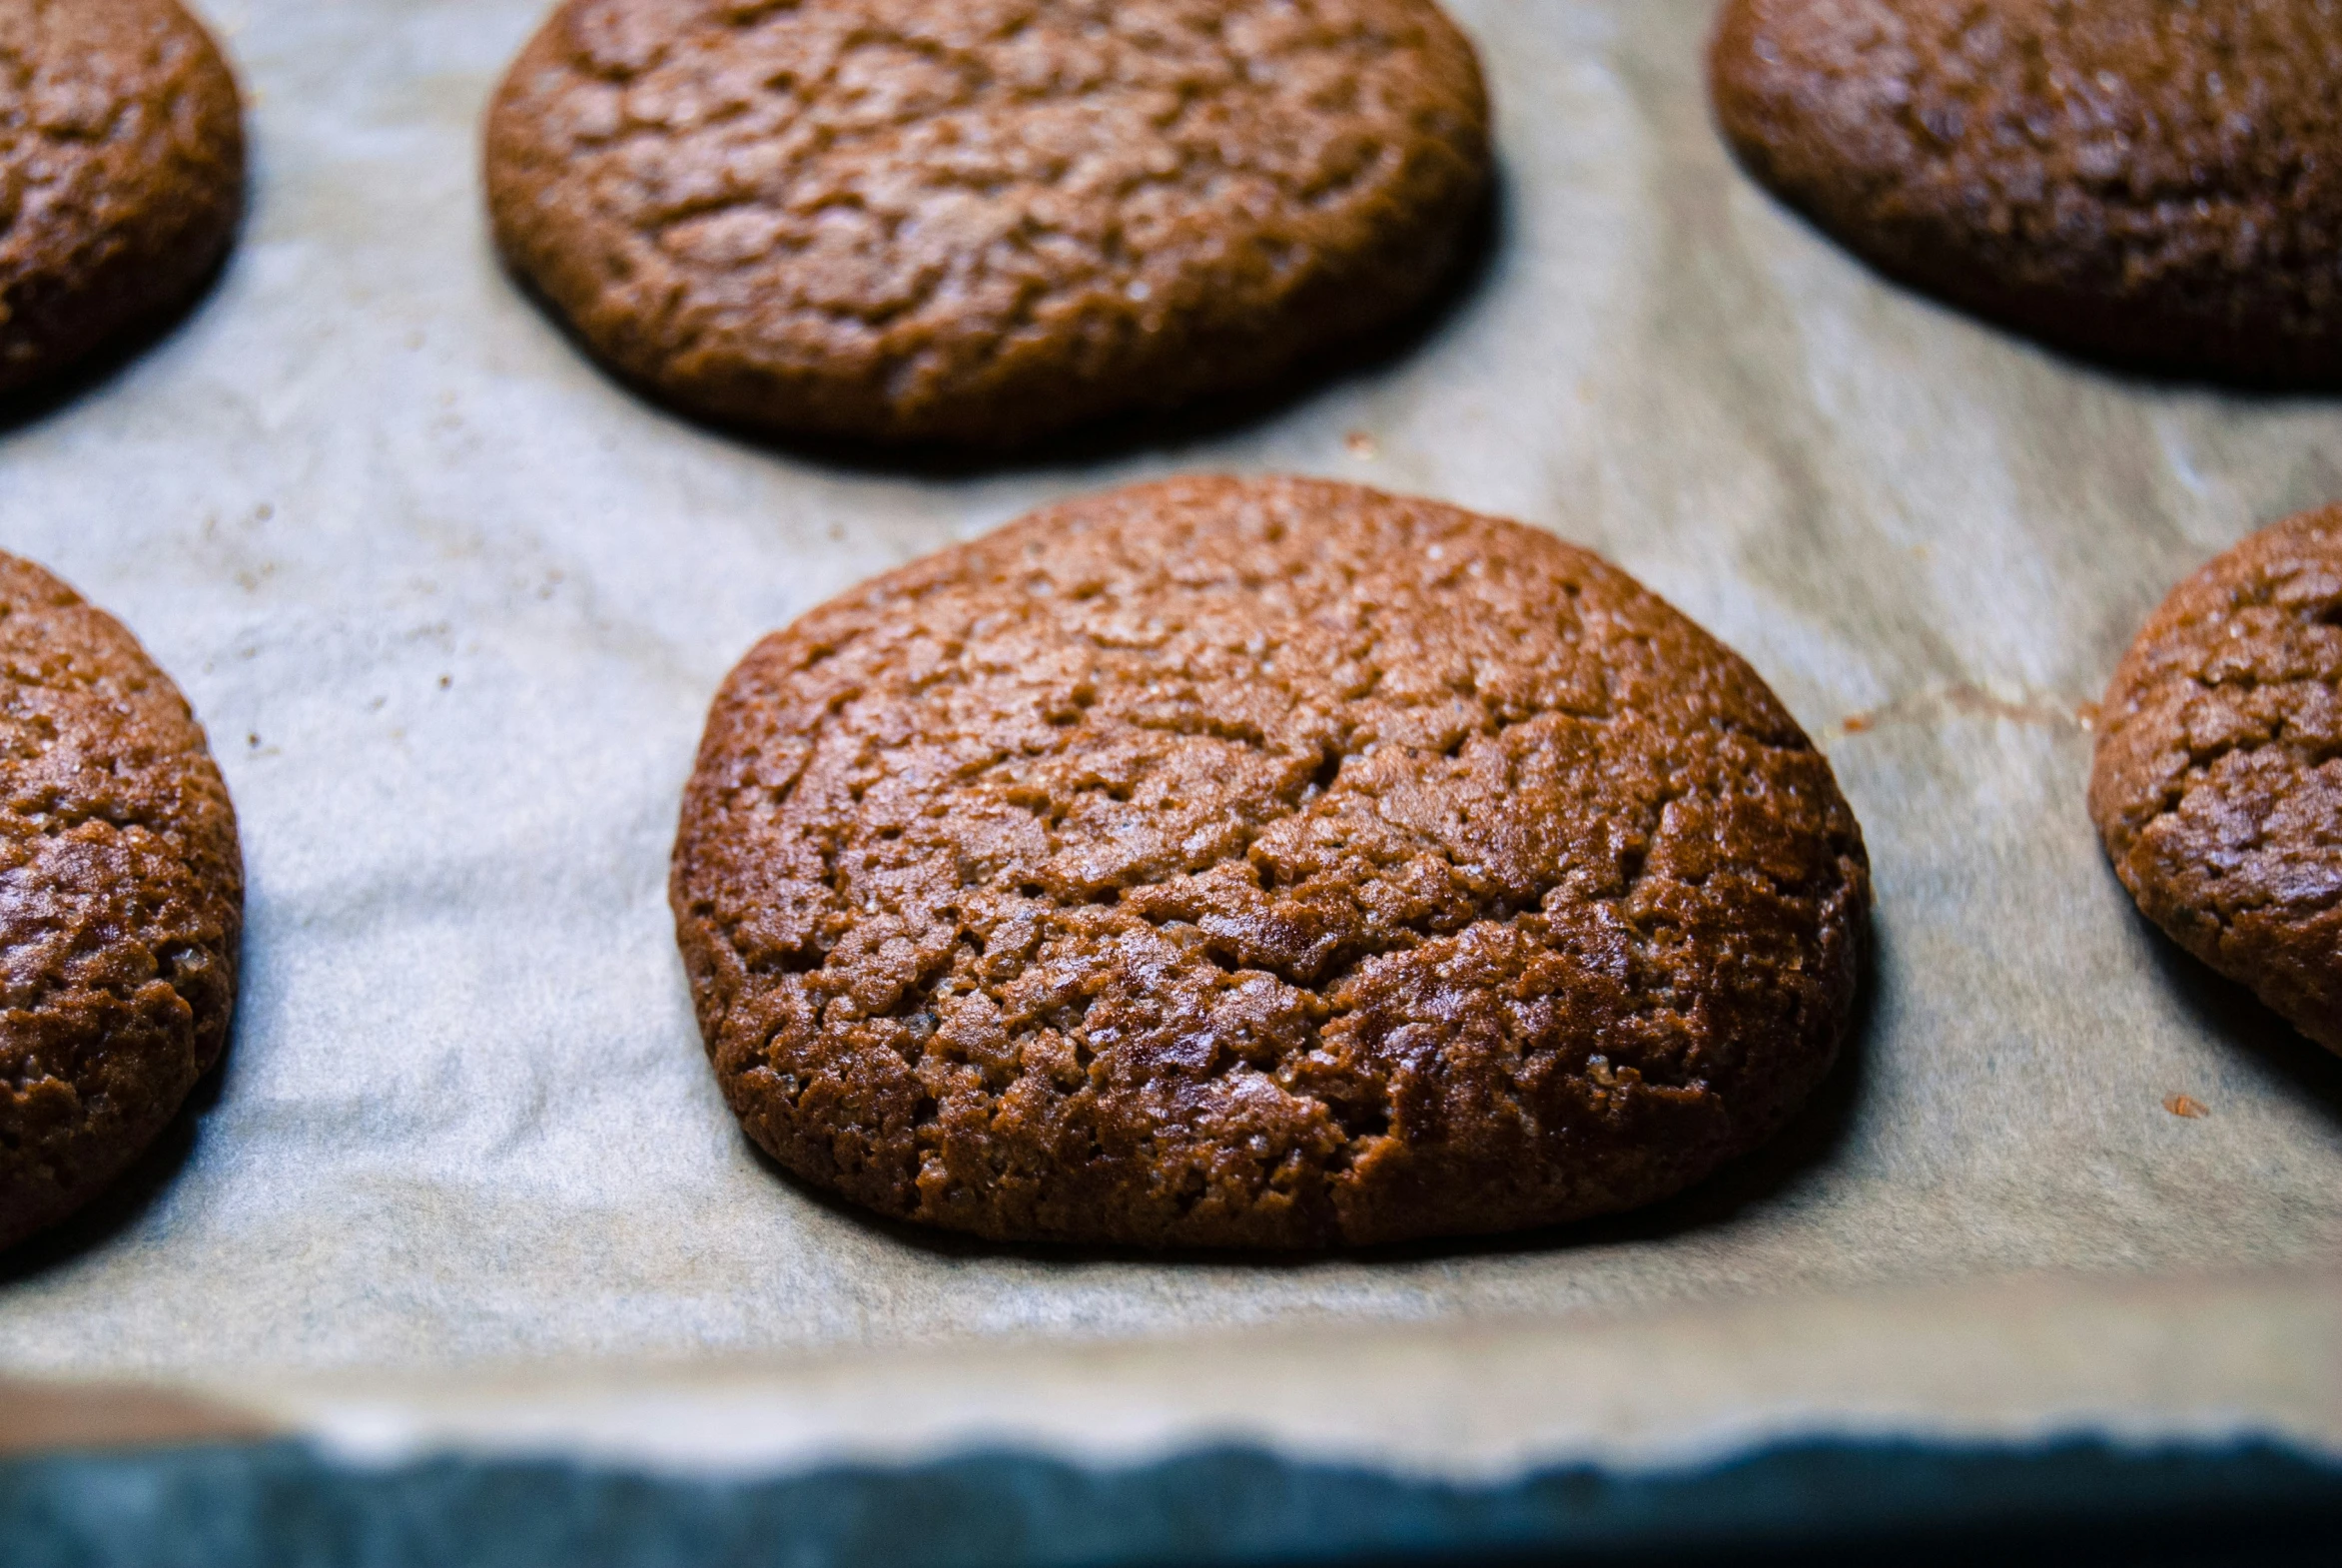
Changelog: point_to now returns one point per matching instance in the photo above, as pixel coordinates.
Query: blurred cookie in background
(979, 221)
(121, 175)
(2136, 181)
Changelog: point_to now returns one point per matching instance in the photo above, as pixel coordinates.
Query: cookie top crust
(2217, 787)
(2134, 179)
(121, 172)
(121, 900)
(1260, 864)
(980, 220)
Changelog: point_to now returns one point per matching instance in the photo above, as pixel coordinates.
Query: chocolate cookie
(1260, 864)
(121, 172)
(980, 220)
(121, 896)
(2135, 180)
(2218, 784)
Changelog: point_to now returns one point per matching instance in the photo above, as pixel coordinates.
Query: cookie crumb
(1856, 723)
(1361, 445)
(2182, 1106)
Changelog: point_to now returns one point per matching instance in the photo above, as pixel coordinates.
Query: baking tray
(451, 604)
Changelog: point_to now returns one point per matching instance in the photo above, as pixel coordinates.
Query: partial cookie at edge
(120, 901)
(2217, 786)
(2152, 184)
(121, 175)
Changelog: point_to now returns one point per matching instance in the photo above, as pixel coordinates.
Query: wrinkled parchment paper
(452, 605)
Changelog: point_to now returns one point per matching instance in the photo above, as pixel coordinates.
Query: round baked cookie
(120, 897)
(2139, 181)
(2218, 783)
(1264, 864)
(978, 222)
(121, 173)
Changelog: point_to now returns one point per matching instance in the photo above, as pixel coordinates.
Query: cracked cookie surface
(120, 898)
(121, 173)
(980, 220)
(1260, 864)
(2134, 180)
(2217, 788)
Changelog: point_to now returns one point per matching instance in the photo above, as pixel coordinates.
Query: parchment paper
(452, 605)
